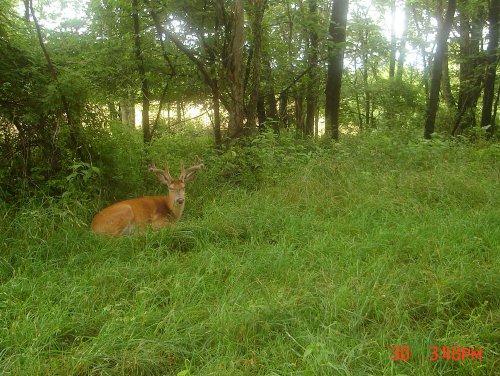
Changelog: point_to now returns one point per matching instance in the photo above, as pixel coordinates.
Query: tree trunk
(235, 71)
(392, 55)
(217, 124)
(272, 109)
(337, 31)
(146, 131)
(402, 46)
(258, 15)
(261, 111)
(425, 73)
(423, 54)
(27, 10)
(269, 95)
(284, 95)
(470, 80)
(494, 114)
(283, 110)
(441, 39)
(489, 78)
(445, 84)
(445, 76)
(127, 110)
(312, 84)
(299, 113)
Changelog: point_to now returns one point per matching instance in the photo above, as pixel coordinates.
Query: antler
(163, 175)
(188, 174)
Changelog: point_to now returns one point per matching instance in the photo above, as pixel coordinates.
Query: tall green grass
(315, 268)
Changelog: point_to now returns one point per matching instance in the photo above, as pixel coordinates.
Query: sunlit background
(58, 14)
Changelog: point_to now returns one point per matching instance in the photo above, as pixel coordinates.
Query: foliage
(83, 175)
(96, 72)
(263, 159)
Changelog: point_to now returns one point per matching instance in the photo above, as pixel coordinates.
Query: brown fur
(124, 217)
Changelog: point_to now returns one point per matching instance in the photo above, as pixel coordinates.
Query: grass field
(317, 271)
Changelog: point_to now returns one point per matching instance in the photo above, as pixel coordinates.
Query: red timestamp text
(453, 353)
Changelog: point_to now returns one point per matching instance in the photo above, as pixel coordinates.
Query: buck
(124, 217)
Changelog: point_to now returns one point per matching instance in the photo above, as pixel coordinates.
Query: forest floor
(320, 271)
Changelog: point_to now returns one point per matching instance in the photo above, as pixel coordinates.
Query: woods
(343, 200)
(253, 66)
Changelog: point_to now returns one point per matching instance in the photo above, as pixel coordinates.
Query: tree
(402, 46)
(207, 68)
(337, 33)
(392, 57)
(436, 73)
(234, 70)
(212, 38)
(368, 47)
(73, 127)
(446, 84)
(470, 77)
(492, 56)
(312, 61)
(257, 12)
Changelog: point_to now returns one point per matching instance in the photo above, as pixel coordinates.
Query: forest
(337, 206)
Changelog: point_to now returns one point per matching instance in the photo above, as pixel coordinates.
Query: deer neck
(175, 208)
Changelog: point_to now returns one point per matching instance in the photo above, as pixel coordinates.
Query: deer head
(177, 187)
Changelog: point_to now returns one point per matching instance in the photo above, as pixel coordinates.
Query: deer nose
(180, 200)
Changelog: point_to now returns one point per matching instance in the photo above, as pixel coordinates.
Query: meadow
(290, 259)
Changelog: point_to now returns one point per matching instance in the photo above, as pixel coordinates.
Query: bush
(263, 159)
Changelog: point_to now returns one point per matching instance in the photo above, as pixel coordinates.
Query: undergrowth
(291, 259)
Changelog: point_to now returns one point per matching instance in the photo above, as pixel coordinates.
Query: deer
(128, 216)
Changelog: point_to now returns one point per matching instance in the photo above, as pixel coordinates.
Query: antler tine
(167, 171)
(197, 165)
(183, 174)
(163, 175)
(188, 173)
(152, 167)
